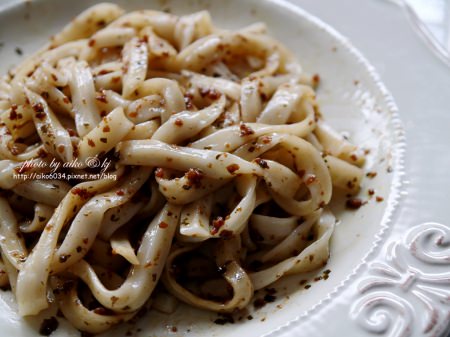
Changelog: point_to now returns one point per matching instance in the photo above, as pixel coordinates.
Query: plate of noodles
(188, 168)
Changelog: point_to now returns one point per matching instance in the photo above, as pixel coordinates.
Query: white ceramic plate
(367, 283)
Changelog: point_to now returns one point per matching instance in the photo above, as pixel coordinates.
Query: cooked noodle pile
(220, 167)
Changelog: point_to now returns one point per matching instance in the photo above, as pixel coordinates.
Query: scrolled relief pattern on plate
(408, 292)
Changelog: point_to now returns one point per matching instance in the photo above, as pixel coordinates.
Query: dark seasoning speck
(48, 325)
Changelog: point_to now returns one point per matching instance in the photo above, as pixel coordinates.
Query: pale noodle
(221, 161)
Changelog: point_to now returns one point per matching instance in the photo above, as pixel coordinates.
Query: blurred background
(431, 20)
